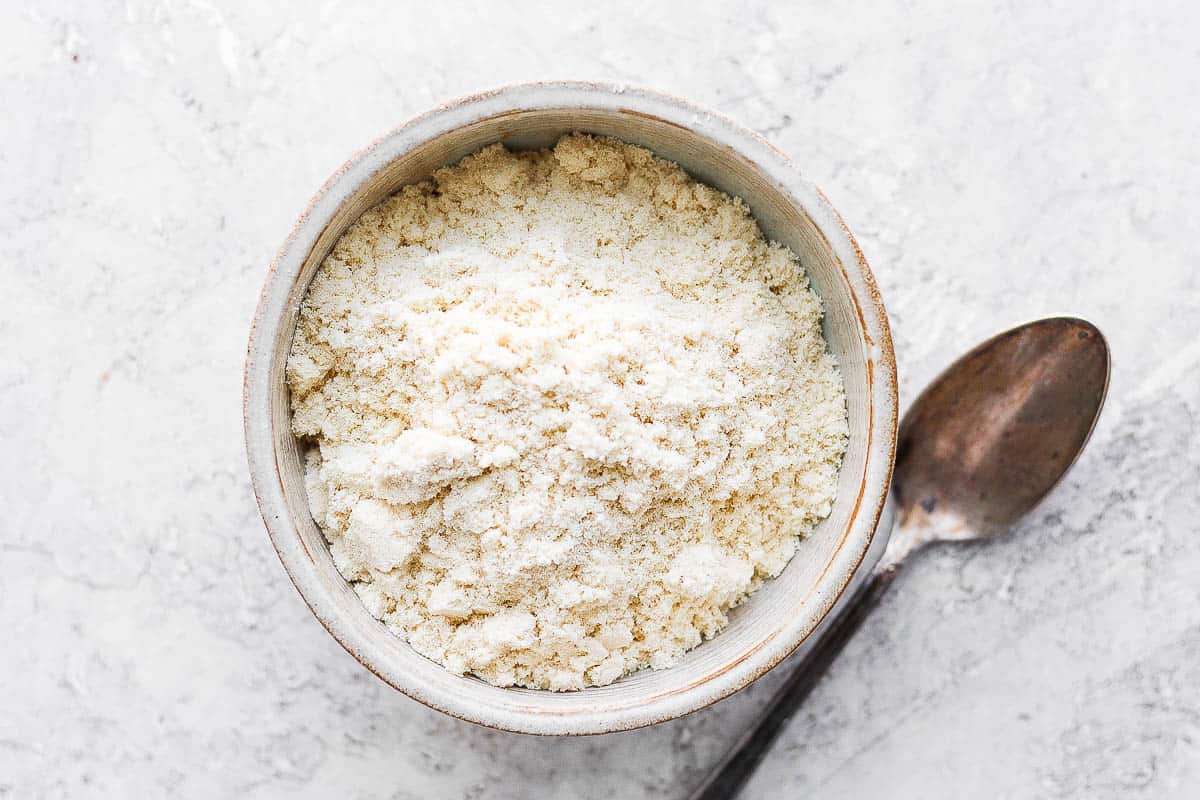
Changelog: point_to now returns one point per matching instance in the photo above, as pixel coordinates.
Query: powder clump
(567, 407)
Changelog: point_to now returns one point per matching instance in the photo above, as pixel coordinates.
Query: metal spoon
(987, 440)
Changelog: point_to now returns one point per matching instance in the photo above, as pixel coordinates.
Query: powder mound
(566, 409)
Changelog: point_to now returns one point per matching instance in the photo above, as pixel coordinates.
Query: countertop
(998, 162)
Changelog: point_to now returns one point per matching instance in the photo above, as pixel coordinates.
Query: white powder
(568, 408)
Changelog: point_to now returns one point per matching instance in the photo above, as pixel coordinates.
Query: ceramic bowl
(775, 620)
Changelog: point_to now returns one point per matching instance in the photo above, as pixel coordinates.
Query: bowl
(773, 621)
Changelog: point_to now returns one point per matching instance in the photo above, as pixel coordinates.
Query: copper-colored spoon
(977, 450)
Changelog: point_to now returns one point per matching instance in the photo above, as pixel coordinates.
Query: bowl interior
(785, 608)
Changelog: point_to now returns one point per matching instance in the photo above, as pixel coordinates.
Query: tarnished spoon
(976, 451)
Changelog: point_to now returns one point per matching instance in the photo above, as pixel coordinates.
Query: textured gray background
(997, 162)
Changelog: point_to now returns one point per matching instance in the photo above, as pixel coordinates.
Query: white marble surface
(998, 162)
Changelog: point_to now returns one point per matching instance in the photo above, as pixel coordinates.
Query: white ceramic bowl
(774, 620)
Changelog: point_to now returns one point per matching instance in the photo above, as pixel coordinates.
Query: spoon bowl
(994, 433)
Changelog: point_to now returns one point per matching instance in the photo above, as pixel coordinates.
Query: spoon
(987, 440)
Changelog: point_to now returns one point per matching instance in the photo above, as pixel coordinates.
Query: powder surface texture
(566, 408)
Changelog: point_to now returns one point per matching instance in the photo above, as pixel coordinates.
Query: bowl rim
(872, 323)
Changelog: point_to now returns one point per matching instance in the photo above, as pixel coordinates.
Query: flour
(568, 407)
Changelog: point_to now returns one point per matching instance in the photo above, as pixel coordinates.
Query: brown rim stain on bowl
(451, 131)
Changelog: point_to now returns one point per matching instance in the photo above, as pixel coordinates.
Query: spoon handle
(726, 780)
